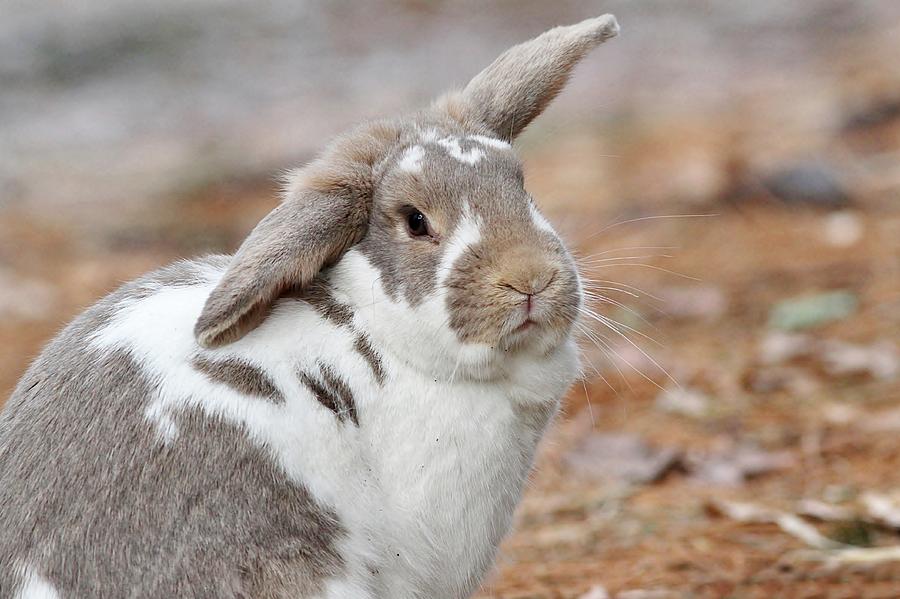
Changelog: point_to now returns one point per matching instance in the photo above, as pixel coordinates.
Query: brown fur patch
(332, 392)
(372, 357)
(240, 375)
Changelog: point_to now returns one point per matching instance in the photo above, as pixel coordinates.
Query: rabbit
(347, 407)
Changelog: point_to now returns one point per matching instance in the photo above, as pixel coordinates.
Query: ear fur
(515, 88)
(325, 211)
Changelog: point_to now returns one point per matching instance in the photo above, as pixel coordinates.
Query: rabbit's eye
(417, 224)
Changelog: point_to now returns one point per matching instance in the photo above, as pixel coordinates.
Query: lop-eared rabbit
(348, 407)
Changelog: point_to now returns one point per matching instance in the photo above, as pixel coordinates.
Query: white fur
(36, 587)
(410, 161)
(540, 221)
(471, 157)
(493, 142)
(412, 158)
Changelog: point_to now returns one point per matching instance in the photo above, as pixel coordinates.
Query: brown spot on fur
(319, 297)
(340, 388)
(240, 375)
(372, 358)
(332, 392)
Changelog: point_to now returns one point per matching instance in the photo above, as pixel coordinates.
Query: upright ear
(517, 87)
(325, 211)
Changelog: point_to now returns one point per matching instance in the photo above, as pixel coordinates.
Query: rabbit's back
(94, 497)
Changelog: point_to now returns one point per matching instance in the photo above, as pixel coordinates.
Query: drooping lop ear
(325, 211)
(516, 87)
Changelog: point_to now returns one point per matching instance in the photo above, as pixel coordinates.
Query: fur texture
(346, 408)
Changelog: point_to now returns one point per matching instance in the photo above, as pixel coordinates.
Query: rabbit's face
(451, 222)
(433, 208)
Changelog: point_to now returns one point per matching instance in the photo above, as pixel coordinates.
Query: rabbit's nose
(533, 285)
(532, 281)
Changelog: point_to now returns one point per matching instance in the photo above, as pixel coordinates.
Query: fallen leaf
(787, 522)
(883, 509)
(622, 456)
(878, 360)
(734, 466)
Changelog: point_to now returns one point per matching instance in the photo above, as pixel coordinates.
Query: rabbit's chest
(451, 464)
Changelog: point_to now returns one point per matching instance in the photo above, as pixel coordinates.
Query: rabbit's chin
(531, 337)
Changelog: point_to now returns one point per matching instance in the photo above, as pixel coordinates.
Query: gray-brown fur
(490, 281)
(325, 212)
(407, 265)
(332, 392)
(518, 86)
(96, 505)
(240, 375)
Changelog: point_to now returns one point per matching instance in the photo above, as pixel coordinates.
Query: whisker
(646, 218)
(637, 290)
(601, 344)
(653, 267)
(616, 258)
(610, 322)
(629, 249)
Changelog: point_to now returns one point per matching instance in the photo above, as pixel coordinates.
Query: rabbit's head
(430, 210)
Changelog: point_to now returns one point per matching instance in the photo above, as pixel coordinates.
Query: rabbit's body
(404, 490)
(346, 408)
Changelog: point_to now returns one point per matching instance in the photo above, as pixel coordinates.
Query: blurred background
(729, 173)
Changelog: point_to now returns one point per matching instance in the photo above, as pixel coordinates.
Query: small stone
(596, 592)
(843, 229)
(808, 184)
(684, 402)
(879, 360)
(778, 347)
(734, 466)
(696, 301)
(812, 310)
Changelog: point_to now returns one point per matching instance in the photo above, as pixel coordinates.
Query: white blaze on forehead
(539, 220)
(470, 157)
(412, 158)
(452, 145)
(493, 142)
